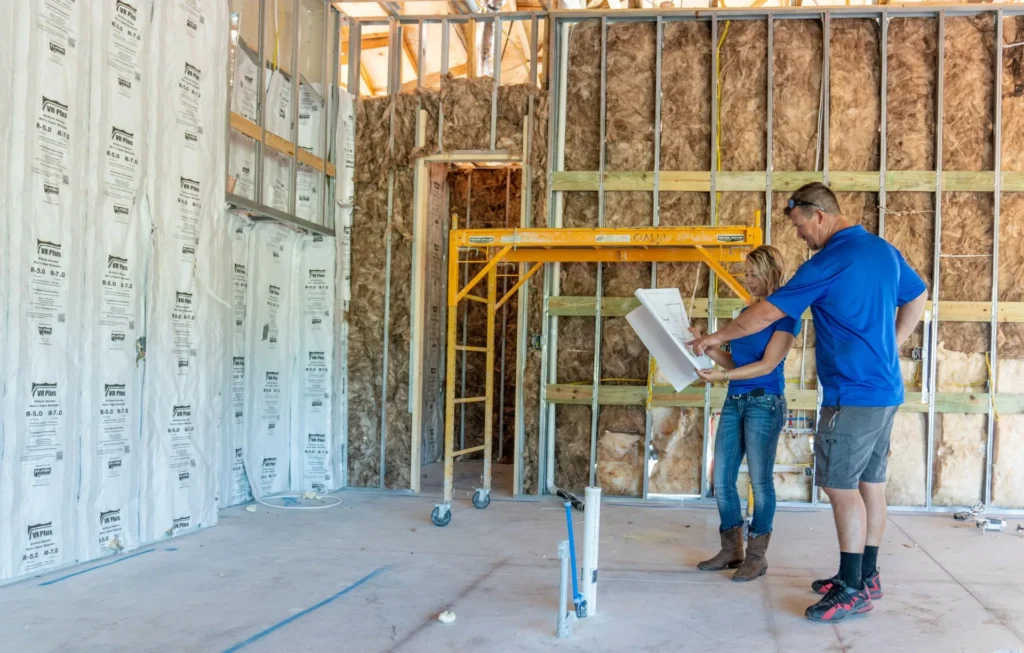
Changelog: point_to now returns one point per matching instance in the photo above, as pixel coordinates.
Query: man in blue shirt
(865, 301)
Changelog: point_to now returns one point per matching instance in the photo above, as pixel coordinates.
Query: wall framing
(881, 181)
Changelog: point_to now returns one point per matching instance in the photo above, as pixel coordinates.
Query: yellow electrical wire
(991, 385)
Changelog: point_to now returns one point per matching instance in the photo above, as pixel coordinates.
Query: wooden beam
(853, 181)
(284, 146)
(693, 397)
(411, 54)
(951, 311)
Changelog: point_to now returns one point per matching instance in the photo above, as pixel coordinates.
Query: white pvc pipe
(562, 626)
(591, 537)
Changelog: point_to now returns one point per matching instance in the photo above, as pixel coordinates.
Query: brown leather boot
(754, 565)
(731, 555)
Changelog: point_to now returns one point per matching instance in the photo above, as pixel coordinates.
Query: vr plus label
(48, 290)
(52, 159)
(44, 418)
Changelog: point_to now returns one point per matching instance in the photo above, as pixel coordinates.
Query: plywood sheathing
(910, 139)
(366, 329)
(796, 105)
(743, 116)
(1008, 454)
(967, 137)
(960, 440)
(1011, 213)
(855, 75)
(575, 358)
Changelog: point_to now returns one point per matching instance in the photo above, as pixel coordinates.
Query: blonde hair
(768, 266)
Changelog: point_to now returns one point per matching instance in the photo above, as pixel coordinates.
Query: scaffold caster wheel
(482, 498)
(441, 515)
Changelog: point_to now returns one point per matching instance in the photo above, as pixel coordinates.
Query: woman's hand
(713, 376)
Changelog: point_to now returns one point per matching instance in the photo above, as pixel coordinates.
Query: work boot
(731, 555)
(754, 565)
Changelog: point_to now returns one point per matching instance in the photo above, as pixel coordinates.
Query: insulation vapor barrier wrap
(234, 482)
(241, 148)
(189, 285)
(46, 192)
(115, 260)
(269, 359)
(312, 467)
(6, 77)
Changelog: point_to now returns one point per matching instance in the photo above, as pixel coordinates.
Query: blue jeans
(749, 425)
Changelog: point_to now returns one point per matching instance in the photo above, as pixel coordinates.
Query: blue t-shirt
(750, 349)
(853, 287)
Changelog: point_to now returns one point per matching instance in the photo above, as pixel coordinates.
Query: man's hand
(704, 343)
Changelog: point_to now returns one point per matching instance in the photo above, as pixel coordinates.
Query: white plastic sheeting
(114, 272)
(270, 348)
(312, 466)
(241, 148)
(234, 482)
(189, 283)
(344, 149)
(46, 190)
(6, 79)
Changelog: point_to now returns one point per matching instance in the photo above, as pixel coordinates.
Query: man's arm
(754, 319)
(908, 316)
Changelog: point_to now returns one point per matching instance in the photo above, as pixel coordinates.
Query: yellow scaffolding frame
(714, 246)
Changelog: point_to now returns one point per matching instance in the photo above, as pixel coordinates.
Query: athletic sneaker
(873, 584)
(840, 602)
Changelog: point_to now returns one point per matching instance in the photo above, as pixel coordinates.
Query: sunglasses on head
(791, 204)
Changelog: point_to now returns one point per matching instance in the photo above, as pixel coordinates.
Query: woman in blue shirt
(751, 420)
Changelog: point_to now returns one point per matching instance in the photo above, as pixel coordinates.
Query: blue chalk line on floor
(85, 571)
(281, 624)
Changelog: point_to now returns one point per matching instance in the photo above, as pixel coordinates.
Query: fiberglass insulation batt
(116, 255)
(46, 191)
(188, 315)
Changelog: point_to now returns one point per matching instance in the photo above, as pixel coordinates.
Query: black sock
(870, 561)
(850, 569)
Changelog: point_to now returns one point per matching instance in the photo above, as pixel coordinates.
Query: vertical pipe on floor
(655, 221)
(562, 625)
(994, 337)
(591, 539)
(936, 256)
(595, 407)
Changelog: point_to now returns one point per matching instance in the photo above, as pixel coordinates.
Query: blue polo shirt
(750, 349)
(853, 287)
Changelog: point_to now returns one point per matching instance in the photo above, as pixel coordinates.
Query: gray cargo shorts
(852, 445)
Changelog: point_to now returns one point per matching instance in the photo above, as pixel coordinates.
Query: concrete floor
(372, 575)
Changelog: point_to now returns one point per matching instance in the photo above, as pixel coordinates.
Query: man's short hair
(814, 195)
